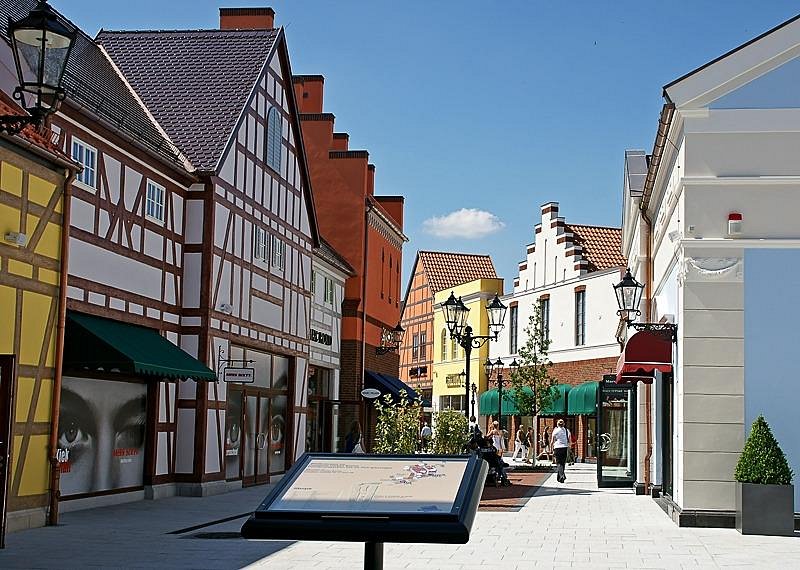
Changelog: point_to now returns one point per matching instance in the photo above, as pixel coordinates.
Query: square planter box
(765, 509)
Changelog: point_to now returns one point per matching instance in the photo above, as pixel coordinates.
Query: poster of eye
(390, 485)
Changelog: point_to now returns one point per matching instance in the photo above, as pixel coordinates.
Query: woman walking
(560, 444)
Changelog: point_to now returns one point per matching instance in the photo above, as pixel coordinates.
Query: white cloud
(463, 223)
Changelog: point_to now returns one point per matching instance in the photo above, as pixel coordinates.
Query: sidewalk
(574, 525)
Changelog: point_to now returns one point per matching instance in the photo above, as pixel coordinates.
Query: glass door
(666, 443)
(616, 435)
(342, 419)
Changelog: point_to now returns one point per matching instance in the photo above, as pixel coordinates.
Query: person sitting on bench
(489, 454)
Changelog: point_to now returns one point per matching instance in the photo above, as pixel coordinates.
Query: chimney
(371, 179)
(246, 18)
(309, 92)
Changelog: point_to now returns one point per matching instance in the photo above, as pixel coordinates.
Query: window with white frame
(278, 252)
(580, 318)
(313, 281)
(513, 332)
(423, 345)
(274, 136)
(544, 306)
(328, 290)
(260, 243)
(85, 155)
(154, 204)
(415, 347)
(444, 345)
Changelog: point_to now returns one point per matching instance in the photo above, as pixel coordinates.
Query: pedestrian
(354, 442)
(560, 444)
(474, 428)
(519, 443)
(545, 444)
(497, 438)
(425, 435)
(529, 440)
(573, 449)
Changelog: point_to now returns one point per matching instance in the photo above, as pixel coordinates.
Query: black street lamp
(629, 297)
(391, 340)
(41, 43)
(489, 367)
(455, 315)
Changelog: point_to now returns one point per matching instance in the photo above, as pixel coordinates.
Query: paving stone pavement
(574, 525)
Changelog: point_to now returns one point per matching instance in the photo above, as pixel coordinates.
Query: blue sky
(490, 106)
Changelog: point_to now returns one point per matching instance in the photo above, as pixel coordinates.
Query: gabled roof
(445, 270)
(325, 251)
(195, 82)
(92, 83)
(601, 246)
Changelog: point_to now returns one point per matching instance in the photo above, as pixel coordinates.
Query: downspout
(364, 314)
(55, 407)
(664, 123)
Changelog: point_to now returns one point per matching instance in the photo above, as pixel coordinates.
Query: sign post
(374, 499)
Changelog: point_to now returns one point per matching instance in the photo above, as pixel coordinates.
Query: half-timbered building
(224, 97)
(33, 177)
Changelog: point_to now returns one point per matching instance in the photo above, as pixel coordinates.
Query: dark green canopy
(583, 399)
(487, 405)
(558, 407)
(95, 343)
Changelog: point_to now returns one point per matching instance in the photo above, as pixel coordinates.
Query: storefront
(582, 405)
(616, 438)
(116, 428)
(256, 422)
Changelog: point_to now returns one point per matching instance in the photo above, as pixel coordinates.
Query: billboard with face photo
(101, 435)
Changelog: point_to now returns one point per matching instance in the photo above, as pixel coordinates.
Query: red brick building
(367, 230)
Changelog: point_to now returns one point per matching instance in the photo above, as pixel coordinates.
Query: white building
(720, 259)
(329, 271)
(569, 272)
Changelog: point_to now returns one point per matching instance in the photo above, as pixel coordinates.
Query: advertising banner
(101, 435)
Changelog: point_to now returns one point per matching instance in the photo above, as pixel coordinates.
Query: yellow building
(449, 360)
(33, 173)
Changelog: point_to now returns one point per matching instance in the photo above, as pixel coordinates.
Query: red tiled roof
(602, 247)
(445, 270)
(41, 139)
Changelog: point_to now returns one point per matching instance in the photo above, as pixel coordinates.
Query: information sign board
(239, 375)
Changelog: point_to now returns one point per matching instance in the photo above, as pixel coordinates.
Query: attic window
(274, 128)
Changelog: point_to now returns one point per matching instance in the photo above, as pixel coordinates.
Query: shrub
(450, 434)
(762, 460)
(397, 427)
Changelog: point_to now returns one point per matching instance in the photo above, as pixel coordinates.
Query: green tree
(397, 427)
(450, 435)
(762, 460)
(533, 372)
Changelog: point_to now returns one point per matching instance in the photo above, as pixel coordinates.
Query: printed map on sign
(374, 485)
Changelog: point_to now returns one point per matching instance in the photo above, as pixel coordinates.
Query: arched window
(274, 134)
(444, 345)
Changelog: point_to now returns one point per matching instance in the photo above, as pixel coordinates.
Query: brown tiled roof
(445, 270)
(602, 247)
(92, 84)
(40, 139)
(195, 82)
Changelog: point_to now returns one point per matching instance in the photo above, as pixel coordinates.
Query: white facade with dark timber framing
(724, 152)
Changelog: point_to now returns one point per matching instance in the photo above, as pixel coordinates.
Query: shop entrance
(341, 418)
(6, 413)
(666, 434)
(616, 435)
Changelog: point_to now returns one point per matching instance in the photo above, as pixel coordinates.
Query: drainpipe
(664, 123)
(52, 517)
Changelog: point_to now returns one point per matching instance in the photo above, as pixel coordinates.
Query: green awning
(558, 406)
(487, 404)
(582, 399)
(95, 343)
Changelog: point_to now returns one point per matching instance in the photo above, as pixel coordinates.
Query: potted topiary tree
(764, 490)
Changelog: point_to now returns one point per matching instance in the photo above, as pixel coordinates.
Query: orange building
(367, 230)
(433, 271)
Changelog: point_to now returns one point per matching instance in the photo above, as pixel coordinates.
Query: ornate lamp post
(489, 367)
(629, 297)
(391, 339)
(41, 44)
(455, 316)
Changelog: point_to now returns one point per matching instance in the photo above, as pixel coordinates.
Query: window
(274, 135)
(580, 318)
(259, 243)
(278, 252)
(454, 350)
(444, 345)
(154, 204)
(415, 347)
(313, 281)
(512, 333)
(329, 290)
(544, 305)
(83, 154)
(452, 403)
(423, 348)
